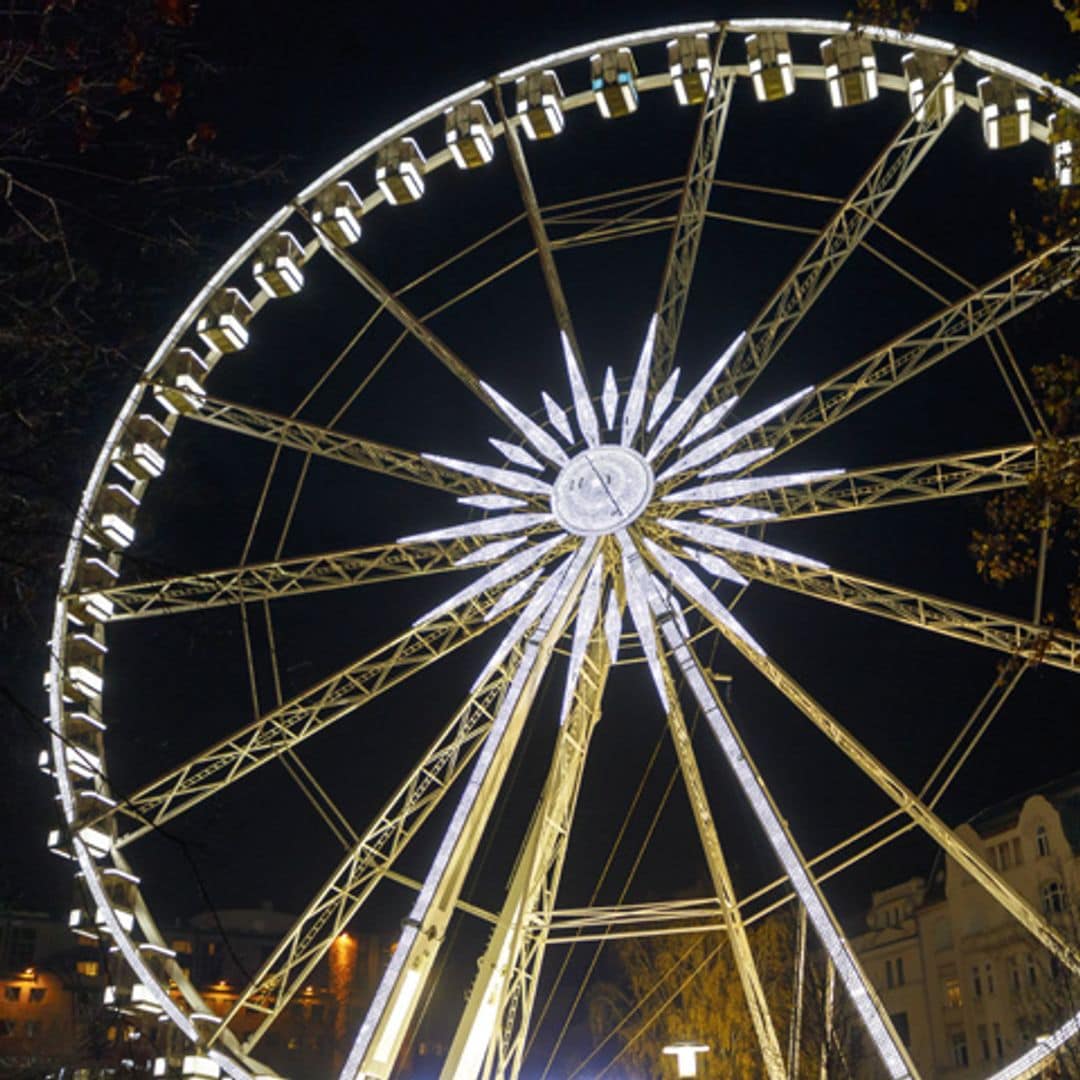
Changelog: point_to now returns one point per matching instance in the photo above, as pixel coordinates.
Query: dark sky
(314, 84)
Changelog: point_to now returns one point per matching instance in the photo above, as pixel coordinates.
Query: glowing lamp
(613, 75)
(399, 171)
(686, 1055)
(689, 67)
(337, 213)
(468, 134)
(850, 69)
(772, 73)
(538, 103)
(1005, 109)
(223, 325)
(277, 266)
(931, 85)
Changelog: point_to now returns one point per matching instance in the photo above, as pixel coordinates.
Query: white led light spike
(486, 527)
(636, 582)
(583, 407)
(677, 421)
(708, 421)
(502, 477)
(715, 565)
(489, 552)
(663, 399)
(736, 489)
(609, 399)
(529, 429)
(635, 402)
(517, 454)
(587, 612)
(729, 541)
(613, 625)
(491, 502)
(557, 416)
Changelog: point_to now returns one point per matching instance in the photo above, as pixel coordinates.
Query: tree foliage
(677, 988)
(112, 191)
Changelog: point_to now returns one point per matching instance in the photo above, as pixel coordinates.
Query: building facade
(53, 984)
(967, 988)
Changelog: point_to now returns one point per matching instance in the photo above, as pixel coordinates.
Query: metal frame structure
(643, 503)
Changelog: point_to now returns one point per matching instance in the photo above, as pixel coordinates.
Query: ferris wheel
(627, 504)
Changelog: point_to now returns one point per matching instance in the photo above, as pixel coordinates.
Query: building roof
(1063, 794)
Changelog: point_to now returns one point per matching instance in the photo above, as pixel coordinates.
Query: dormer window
(1042, 841)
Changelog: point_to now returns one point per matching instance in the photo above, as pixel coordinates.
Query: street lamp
(686, 1055)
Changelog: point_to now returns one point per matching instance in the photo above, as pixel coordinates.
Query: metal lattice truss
(646, 502)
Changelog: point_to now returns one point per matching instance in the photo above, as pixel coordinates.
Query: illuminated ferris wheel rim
(137, 955)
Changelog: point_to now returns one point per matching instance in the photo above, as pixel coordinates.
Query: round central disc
(601, 490)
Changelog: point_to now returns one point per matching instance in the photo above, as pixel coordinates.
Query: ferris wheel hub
(603, 489)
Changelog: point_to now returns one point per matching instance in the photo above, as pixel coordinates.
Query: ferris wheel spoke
(944, 333)
(336, 445)
(404, 315)
(535, 217)
(734, 924)
(690, 222)
(264, 740)
(495, 1023)
(914, 807)
(390, 1014)
(371, 858)
(948, 476)
(299, 576)
(1016, 637)
(861, 992)
(828, 252)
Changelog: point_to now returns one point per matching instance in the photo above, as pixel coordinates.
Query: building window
(899, 971)
(1014, 974)
(901, 1027)
(1004, 859)
(37, 994)
(1018, 852)
(1033, 971)
(976, 983)
(31, 1028)
(889, 984)
(12, 993)
(988, 972)
(1042, 841)
(90, 968)
(953, 999)
(984, 1042)
(21, 947)
(958, 1042)
(999, 1044)
(7, 1027)
(1053, 898)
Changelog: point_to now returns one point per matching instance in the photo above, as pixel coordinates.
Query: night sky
(311, 83)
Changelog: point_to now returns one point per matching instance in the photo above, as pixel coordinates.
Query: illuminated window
(12, 993)
(953, 997)
(90, 968)
(37, 993)
(1042, 841)
(211, 948)
(183, 947)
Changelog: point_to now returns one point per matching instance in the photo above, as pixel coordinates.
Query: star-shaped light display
(677, 468)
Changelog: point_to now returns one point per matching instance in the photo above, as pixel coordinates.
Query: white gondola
(337, 212)
(850, 69)
(468, 134)
(399, 171)
(197, 1067)
(614, 82)
(277, 266)
(224, 323)
(931, 85)
(538, 102)
(117, 507)
(689, 67)
(140, 454)
(1006, 112)
(1063, 149)
(179, 385)
(772, 72)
